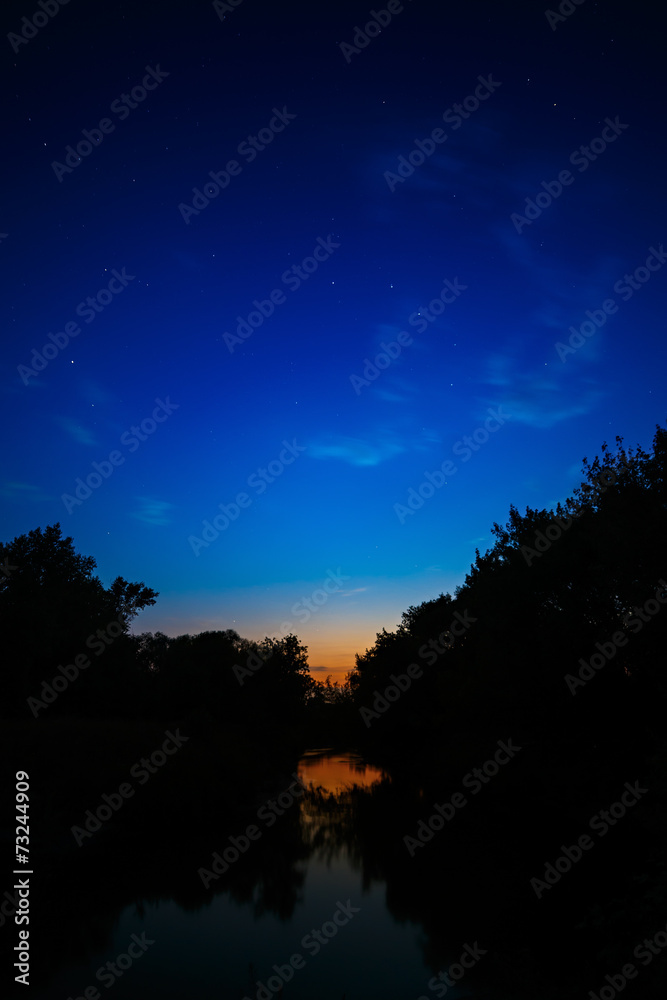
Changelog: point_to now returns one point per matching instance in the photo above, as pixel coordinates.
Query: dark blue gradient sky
(235, 338)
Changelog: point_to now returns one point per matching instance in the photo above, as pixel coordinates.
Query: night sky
(216, 357)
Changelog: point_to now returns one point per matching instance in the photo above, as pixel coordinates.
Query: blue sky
(164, 332)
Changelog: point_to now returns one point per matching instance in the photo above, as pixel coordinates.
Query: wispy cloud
(79, 433)
(24, 492)
(152, 511)
(379, 445)
(95, 393)
(540, 398)
(390, 397)
(394, 388)
(356, 451)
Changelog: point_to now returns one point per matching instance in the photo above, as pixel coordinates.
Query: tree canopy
(555, 585)
(51, 603)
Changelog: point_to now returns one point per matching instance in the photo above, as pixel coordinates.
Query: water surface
(311, 910)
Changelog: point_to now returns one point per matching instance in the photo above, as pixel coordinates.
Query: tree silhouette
(554, 584)
(51, 603)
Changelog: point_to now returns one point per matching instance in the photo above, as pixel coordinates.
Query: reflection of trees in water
(88, 891)
(274, 883)
(326, 821)
(334, 823)
(367, 824)
(470, 883)
(91, 891)
(85, 892)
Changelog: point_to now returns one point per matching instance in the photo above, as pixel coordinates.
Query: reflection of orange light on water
(336, 771)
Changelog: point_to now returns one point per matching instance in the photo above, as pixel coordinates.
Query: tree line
(558, 626)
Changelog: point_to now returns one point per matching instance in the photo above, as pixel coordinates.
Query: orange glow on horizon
(335, 654)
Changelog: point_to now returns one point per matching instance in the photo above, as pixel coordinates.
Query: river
(301, 904)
